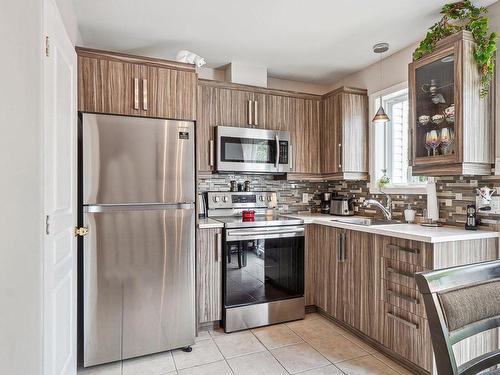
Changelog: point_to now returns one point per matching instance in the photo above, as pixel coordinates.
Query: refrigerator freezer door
(139, 293)
(137, 160)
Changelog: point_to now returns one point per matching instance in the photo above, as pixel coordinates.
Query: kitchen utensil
(248, 215)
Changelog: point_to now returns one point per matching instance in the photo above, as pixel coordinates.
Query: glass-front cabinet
(452, 127)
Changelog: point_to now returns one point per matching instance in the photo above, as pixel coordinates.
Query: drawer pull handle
(406, 250)
(401, 273)
(403, 297)
(401, 320)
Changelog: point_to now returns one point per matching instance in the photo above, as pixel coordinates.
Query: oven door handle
(240, 234)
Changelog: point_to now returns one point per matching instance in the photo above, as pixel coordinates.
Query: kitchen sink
(367, 221)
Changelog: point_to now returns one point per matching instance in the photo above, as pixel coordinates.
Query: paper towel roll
(432, 203)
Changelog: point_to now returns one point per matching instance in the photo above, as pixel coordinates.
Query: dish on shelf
(437, 119)
(424, 119)
(449, 113)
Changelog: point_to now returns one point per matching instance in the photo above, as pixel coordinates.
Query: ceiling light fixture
(381, 116)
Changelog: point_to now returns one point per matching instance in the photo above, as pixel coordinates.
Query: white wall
(68, 14)
(21, 188)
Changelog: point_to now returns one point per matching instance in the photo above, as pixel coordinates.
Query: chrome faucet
(386, 210)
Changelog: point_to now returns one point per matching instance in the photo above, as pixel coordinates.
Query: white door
(60, 174)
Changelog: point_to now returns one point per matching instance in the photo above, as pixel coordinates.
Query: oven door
(252, 150)
(263, 265)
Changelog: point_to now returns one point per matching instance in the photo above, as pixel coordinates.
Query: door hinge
(80, 231)
(47, 224)
(47, 46)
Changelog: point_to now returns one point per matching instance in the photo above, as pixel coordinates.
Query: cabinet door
(209, 275)
(305, 135)
(331, 135)
(233, 108)
(343, 306)
(354, 133)
(323, 284)
(109, 86)
(278, 113)
(364, 282)
(205, 124)
(169, 93)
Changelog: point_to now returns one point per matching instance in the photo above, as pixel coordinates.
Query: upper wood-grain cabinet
(344, 134)
(452, 127)
(132, 85)
(226, 104)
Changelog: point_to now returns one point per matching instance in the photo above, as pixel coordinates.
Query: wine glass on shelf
(434, 141)
(446, 140)
(428, 143)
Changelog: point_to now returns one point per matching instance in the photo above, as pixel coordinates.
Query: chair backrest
(461, 302)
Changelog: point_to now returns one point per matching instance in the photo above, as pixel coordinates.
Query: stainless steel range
(263, 263)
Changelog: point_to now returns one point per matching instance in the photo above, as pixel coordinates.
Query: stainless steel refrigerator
(138, 179)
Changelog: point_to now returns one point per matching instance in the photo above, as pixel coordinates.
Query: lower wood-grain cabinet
(366, 281)
(209, 275)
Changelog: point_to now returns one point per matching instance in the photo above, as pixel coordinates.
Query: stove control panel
(241, 199)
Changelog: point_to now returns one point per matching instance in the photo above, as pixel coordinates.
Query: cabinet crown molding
(133, 59)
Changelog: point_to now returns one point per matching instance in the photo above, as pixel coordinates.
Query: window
(390, 143)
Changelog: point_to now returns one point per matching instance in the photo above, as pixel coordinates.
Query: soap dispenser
(409, 214)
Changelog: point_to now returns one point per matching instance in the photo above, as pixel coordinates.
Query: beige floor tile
(299, 357)
(216, 368)
(155, 364)
(358, 341)
(237, 344)
(256, 364)
(203, 335)
(204, 352)
(327, 370)
(114, 368)
(337, 348)
(275, 336)
(313, 329)
(312, 316)
(389, 362)
(219, 332)
(368, 365)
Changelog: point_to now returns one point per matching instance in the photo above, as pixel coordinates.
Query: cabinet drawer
(413, 252)
(408, 335)
(402, 297)
(401, 273)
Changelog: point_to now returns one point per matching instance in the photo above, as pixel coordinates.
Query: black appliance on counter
(326, 202)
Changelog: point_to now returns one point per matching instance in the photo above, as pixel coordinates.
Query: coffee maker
(326, 199)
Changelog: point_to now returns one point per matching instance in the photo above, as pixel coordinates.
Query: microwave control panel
(283, 158)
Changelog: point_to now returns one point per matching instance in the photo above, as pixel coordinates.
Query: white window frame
(377, 160)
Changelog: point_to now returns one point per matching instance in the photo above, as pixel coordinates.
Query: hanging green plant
(465, 16)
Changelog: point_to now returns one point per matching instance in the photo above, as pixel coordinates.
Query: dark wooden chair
(461, 302)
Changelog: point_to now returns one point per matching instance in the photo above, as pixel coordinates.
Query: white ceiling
(318, 41)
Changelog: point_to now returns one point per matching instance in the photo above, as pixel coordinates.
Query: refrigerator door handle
(99, 208)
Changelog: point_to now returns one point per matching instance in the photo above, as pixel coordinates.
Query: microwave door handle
(277, 158)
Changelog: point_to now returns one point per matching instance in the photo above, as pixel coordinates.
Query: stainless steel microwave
(252, 150)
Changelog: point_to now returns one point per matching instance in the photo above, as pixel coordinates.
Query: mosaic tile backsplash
(454, 194)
